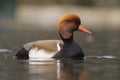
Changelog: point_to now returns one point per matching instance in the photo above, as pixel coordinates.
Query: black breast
(71, 50)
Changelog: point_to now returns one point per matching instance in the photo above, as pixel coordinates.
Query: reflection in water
(73, 70)
(57, 70)
(44, 70)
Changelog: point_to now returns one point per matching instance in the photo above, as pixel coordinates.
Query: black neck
(67, 40)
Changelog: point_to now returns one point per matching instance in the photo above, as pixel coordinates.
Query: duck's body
(67, 48)
(40, 49)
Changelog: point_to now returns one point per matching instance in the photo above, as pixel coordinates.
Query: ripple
(100, 57)
(5, 50)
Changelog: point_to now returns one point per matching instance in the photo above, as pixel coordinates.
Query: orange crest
(68, 17)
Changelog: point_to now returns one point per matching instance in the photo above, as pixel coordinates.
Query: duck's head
(70, 23)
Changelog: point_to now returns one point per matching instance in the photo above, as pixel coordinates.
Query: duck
(57, 49)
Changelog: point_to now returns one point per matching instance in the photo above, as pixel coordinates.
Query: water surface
(101, 62)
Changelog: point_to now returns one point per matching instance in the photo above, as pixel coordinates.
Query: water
(101, 62)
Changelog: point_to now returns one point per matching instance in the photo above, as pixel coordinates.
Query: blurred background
(44, 14)
(27, 18)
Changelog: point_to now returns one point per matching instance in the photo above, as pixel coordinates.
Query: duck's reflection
(73, 70)
(43, 70)
(57, 70)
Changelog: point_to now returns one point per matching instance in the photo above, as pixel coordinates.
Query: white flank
(39, 54)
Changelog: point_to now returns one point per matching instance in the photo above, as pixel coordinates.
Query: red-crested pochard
(65, 48)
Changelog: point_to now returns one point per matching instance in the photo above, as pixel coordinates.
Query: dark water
(102, 51)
